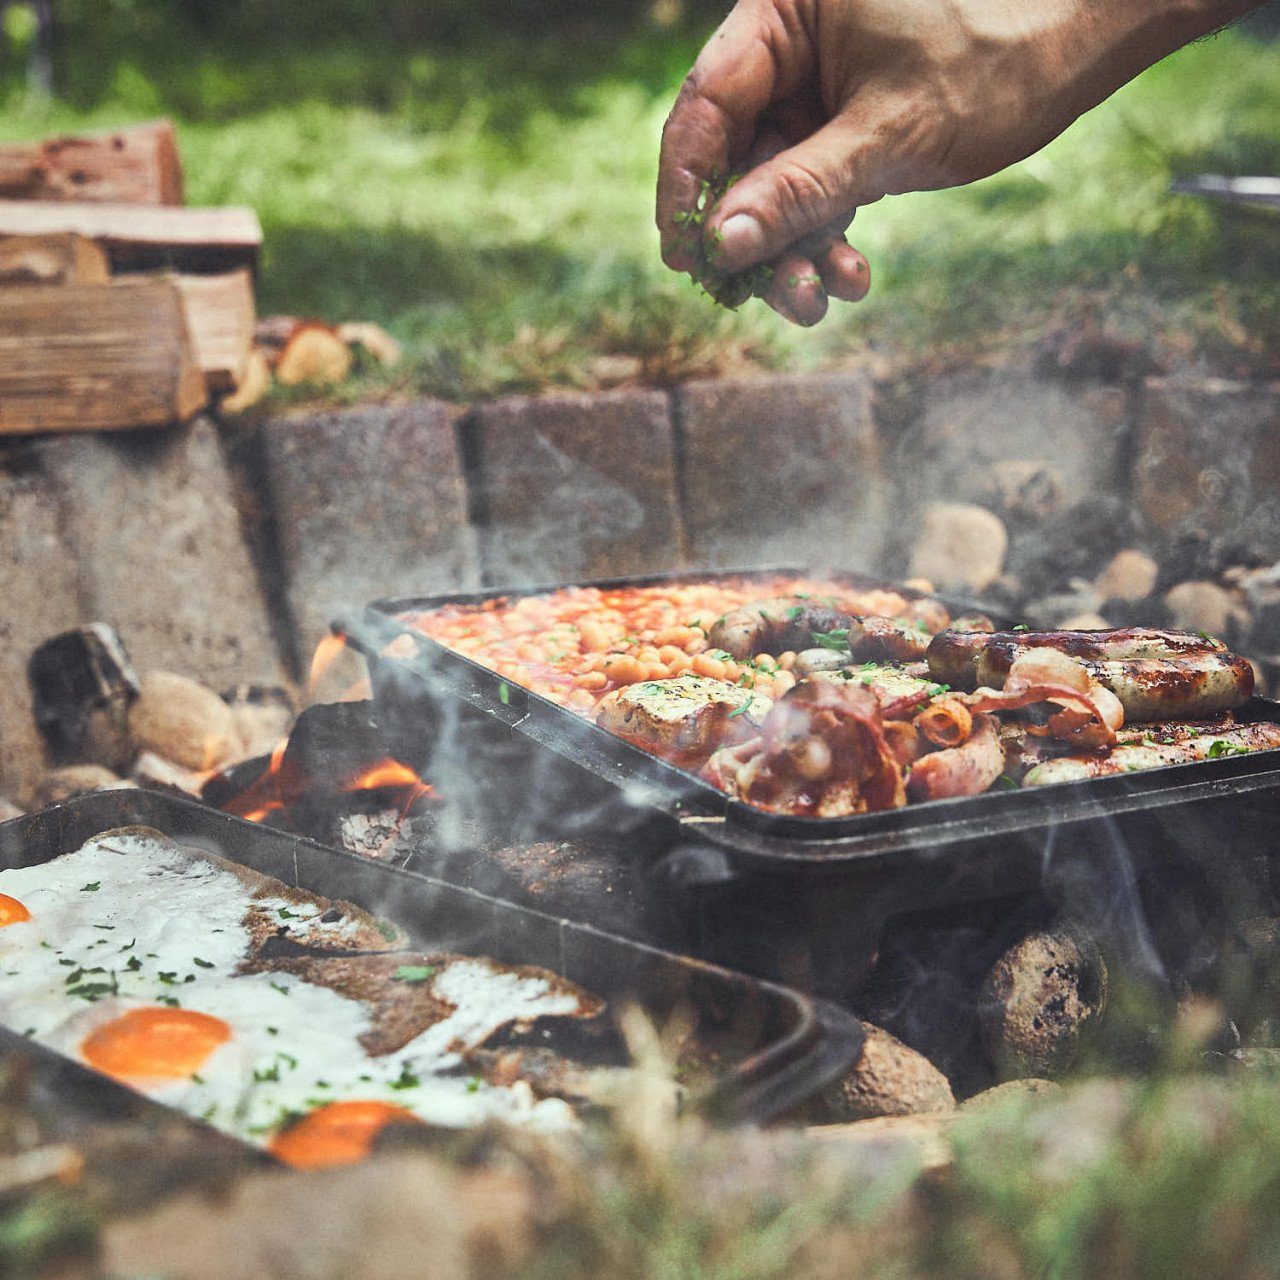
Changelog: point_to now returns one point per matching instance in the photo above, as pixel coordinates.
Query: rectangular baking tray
(785, 1045)
(994, 840)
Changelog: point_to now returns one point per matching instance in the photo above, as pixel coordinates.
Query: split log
(138, 165)
(95, 357)
(53, 259)
(145, 237)
(219, 312)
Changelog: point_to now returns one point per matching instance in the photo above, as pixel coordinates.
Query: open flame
(283, 783)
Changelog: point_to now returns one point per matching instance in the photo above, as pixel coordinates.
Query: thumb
(801, 191)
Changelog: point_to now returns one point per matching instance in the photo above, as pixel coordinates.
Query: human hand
(827, 105)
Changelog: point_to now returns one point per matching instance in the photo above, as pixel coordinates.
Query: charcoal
(82, 684)
(333, 744)
(385, 835)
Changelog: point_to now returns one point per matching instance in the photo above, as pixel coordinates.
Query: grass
(490, 200)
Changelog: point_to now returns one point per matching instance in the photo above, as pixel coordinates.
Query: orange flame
(327, 653)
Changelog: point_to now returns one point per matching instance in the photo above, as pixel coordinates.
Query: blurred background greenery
(478, 176)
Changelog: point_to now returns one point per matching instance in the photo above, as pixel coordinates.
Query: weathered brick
(38, 587)
(151, 521)
(781, 470)
(575, 486)
(368, 503)
(1207, 460)
(970, 421)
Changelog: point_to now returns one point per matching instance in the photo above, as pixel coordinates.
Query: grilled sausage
(1154, 749)
(792, 623)
(1157, 675)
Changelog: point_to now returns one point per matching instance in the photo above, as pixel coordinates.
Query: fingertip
(846, 273)
(797, 292)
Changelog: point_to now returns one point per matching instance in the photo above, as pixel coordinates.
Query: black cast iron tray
(409, 690)
(778, 1047)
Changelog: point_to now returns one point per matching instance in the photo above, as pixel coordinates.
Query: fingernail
(741, 238)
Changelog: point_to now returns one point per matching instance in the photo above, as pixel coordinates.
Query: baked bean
(705, 665)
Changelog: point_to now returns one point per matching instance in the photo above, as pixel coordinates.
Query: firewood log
(219, 311)
(52, 259)
(140, 237)
(84, 357)
(138, 165)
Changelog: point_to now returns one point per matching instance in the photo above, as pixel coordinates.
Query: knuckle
(804, 195)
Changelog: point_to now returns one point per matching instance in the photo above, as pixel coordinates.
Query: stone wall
(222, 551)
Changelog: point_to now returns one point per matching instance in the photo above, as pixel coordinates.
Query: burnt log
(82, 685)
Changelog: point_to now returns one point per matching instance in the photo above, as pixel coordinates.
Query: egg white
(126, 922)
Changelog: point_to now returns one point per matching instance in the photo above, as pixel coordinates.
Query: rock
(1038, 1000)
(959, 547)
(889, 1079)
(1084, 622)
(1206, 460)
(1022, 490)
(158, 774)
(1052, 611)
(184, 722)
(261, 729)
(263, 714)
(1129, 575)
(1005, 1094)
(1205, 606)
(60, 785)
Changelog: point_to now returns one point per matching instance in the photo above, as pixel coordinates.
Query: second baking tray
(775, 1047)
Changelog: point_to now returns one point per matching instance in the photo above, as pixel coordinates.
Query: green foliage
(480, 178)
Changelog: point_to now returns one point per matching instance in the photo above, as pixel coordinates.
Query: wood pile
(121, 307)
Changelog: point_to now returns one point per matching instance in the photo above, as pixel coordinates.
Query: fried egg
(126, 955)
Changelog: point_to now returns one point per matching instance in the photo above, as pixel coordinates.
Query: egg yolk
(337, 1133)
(154, 1043)
(12, 911)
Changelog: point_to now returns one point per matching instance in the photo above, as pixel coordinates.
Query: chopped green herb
(273, 1031)
(275, 986)
(92, 991)
(71, 964)
(209, 1112)
(264, 1075)
(203, 964)
(191, 977)
(1022, 626)
(92, 887)
(171, 1001)
(285, 914)
(406, 1079)
(168, 977)
(473, 1084)
(134, 964)
(413, 973)
(739, 711)
(388, 931)
(837, 639)
(104, 926)
(1007, 783)
(29, 1032)
(195, 1079)
(1221, 748)
(504, 693)
(794, 612)
(129, 946)
(288, 1059)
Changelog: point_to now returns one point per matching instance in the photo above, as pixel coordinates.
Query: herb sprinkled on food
(414, 973)
(92, 887)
